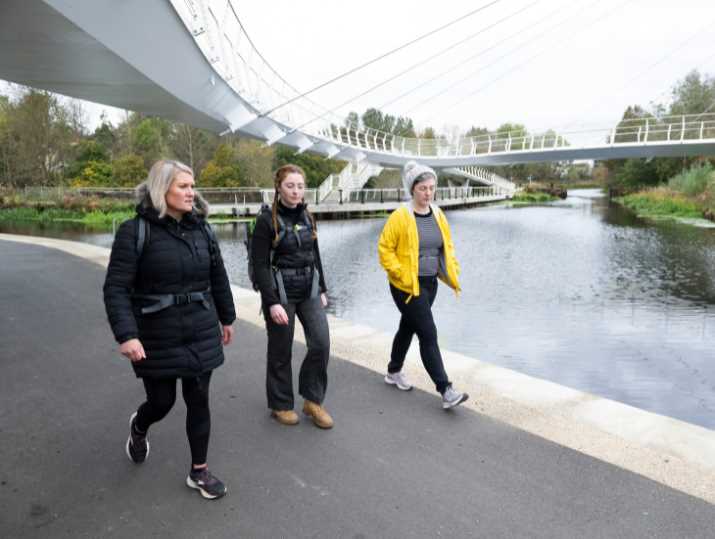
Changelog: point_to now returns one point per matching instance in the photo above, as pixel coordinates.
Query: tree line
(693, 95)
(45, 141)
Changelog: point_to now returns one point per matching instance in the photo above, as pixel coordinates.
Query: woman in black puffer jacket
(289, 274)
(171, 309)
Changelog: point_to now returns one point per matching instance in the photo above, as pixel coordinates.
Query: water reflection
(579, 292)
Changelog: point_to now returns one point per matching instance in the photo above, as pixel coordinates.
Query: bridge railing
(366, 196)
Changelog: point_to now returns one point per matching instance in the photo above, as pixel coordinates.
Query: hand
(133, 350)
(227, 335)
(278, 314)
(324, 299)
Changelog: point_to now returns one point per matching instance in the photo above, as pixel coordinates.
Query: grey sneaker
(398, 379)
(137, 446)
(206, 483)
(451, 397)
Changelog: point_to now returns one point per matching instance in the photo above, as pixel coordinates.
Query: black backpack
(251, 225)
(144, 233)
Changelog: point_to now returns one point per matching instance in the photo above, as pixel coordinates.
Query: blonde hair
(158, 182)
(278, 178)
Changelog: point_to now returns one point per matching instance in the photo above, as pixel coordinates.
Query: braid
(274, 217)
(312, 222)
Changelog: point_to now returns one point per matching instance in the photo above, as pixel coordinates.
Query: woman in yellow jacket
(416, 250)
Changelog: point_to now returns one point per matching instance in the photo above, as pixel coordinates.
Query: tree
(316, 167)
(129, 170)
(478, 132)
(375, 119)
(222, 170)
(41, 137)
(6, 143)
(693, 95)
(104, 136)
(85, 151)
(95, 174)
(191, 145)
(150, 140)
(255, 161)
(404, 127)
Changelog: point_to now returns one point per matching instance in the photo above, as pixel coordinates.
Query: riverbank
(689, 197)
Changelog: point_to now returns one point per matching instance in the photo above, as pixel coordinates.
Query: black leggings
(417, 318)
(160, 398)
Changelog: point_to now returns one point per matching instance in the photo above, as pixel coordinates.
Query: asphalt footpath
(395, 465)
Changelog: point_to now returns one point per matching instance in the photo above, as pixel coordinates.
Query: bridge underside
(55, 49)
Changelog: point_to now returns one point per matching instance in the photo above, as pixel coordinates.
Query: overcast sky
(548, 63)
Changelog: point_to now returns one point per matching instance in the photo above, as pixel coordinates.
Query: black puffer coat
(180, 340)
(289, 253)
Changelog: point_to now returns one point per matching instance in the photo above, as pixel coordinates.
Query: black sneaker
(206, 483)
(137, 444)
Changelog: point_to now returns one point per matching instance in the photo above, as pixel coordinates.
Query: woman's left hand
(227, 335)
(324, 299)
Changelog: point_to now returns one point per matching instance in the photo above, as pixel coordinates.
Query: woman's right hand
(278, 314)
(133, 350)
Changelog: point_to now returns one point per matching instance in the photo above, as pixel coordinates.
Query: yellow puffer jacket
(399, 250)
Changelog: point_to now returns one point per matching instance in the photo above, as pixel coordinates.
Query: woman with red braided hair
(289, 275)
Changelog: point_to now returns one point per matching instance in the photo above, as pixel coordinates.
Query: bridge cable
(333, 110)
(255, 49)
(655, 64)
(481, 52)
(380, 57)
(529, 59)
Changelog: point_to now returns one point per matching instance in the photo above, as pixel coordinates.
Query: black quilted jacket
(181, 340)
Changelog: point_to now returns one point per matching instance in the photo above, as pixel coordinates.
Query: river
(579, 292)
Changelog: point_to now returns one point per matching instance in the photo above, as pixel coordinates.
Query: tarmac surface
(395, 465)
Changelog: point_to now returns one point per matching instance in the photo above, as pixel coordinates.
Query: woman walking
(171, 310)
(416, 249)
(289, 274)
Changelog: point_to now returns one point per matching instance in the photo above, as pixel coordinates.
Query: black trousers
(160, 398)
(313, 377)
(417, 318)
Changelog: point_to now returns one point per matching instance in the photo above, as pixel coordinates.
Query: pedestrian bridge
(192, 61)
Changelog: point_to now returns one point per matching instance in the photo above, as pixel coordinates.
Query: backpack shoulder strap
(143, 233)
(213, 242)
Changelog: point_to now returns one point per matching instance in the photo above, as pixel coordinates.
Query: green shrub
(693, 182)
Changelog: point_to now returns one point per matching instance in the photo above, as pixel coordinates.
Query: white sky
(558, 64)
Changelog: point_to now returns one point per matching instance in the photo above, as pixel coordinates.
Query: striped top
(430, 244)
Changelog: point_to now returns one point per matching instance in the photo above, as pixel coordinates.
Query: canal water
(579, 292)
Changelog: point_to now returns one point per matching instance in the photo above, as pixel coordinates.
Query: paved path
(396, 465)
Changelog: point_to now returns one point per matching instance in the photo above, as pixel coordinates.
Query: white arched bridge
(192, 61)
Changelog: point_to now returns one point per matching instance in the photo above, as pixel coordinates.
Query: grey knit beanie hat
(413, 172)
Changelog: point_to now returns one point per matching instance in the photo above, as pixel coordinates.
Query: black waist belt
(278, 274)
(296, 271)
(162, 301)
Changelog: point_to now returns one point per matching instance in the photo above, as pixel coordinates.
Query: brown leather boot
(285, 417)
(319, 415)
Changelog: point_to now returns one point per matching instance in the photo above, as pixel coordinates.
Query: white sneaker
(398, 379)
(452, 398)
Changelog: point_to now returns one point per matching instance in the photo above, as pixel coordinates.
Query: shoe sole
(449, 405)
(129, 441)
(398, 386)
(288, 424)
(315, 422)
(207, 495)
